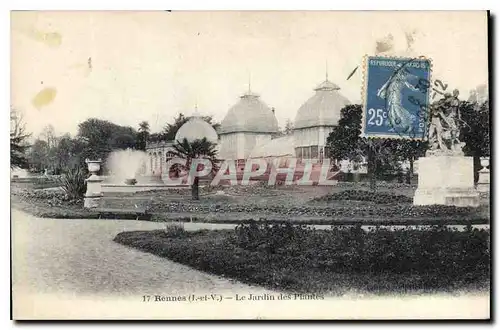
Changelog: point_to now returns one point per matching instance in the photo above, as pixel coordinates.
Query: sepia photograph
(250, 165)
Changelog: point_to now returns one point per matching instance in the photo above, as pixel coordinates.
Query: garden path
(79, 257)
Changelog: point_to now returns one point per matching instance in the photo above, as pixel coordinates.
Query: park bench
(136, 210)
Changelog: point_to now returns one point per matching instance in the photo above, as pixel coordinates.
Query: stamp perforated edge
(364, 84)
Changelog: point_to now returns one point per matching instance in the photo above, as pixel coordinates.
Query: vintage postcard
(173, 165)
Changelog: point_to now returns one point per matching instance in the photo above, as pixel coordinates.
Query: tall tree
(101, 137)
(49, 135)
(18, 140)
(344, 141)
(96, 134)
(475, 131)
(143, 135)
(195, 150)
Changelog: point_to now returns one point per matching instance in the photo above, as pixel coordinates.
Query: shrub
(266, 236)
(73, 183)
(175, 229)
(439, 250)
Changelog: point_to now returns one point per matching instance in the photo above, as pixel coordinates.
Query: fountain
(127, 173)
(125, 165)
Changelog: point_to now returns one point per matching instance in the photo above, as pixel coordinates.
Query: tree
(143, 135)
(196, 149)
(38, 157)
(18, 140)
(95, 134)
(123, 141)
(100, 137)
(49, 135)
(382, 155)
(69, 153)
(410, 150)
(170, 130)
(344, 141)
(288, 129)
(475, 131)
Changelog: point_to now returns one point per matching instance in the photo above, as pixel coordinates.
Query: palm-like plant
(143, 135)
(73, 182)
(144, 126)
(197, 149)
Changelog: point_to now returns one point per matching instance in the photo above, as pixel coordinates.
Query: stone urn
(483, 183)
(93, 166)
(485, 162)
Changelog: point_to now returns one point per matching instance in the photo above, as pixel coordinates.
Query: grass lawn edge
(208, 251)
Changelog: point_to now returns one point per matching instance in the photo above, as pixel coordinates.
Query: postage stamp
(396, 97)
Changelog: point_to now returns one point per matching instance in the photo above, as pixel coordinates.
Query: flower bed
(50, 204)
(48, 197)
(385, 211)
(299, 259)
(366, 196)
(229, 209)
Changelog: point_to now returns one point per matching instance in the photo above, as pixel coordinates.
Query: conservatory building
(250, 130)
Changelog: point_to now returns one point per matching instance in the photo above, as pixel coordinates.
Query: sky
(128, 67)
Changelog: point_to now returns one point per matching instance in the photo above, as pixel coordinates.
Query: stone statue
(444, 129)
(446, 175)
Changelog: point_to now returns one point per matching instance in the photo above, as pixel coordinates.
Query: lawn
(345, 203)
(299, 259)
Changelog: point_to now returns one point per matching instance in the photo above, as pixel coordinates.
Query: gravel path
(79, 257)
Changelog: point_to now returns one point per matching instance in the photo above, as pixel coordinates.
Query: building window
(314, 152)
(306, 153)
(298, 153)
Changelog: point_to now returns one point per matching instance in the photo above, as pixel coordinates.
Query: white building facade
(247, 124)
(315, 120)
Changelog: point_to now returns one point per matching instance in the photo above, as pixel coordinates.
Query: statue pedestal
(446, 180)
(94, 182)
(94, 192)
